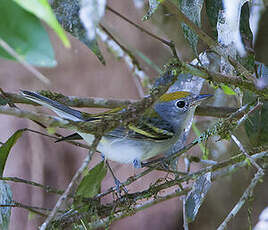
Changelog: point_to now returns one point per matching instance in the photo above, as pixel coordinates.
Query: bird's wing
(144, 130)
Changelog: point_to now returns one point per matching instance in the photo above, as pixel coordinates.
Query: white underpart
(228, 25)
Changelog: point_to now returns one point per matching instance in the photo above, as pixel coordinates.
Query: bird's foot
(136, 163)
(119, 187)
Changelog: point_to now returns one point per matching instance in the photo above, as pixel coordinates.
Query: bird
(154, 133)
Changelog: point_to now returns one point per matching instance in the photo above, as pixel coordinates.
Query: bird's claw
(136, 163)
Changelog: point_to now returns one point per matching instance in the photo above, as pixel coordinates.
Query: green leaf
(91, 183)
(25, 34)
(257, 124)
(6, 147)
(94, 47)
(201, 145)
(247, 38)
(147, 60)
(51, 130)
(42, 10)
(197, 195)
(212, 9)
(244, 25)
(5, 198)
(153, 5)
(227, 90)
(3, 101)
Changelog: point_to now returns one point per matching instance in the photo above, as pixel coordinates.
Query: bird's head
(177, 107)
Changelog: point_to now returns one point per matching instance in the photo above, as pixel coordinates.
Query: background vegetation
(110, 52)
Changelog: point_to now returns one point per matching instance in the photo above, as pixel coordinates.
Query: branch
(95, 102)
(221, 78)
(46, 188)
(170, 44)
(246, 195)
(21, 60)
(32, 209)
(126, 202)
(215, 46)
(73, 184)
(72, 101)
(142, 81)
(64, 222)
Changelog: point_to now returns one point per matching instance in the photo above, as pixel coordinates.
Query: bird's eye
(180, 104)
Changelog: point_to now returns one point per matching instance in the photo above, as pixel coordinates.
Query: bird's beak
(199, 98)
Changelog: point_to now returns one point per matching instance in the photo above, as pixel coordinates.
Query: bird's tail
(60, 109)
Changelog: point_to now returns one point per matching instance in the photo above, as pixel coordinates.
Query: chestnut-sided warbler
(155, 133)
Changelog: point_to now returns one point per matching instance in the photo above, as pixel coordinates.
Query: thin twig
(73, 184)
(168, 43)
(221, 78)
(29, 67)
(185, 222)
(131, 61)
(252, 110)
(46, 188)
(237, 161)
(72, 101)
(252, 161)
(32, 209)
(246, 195)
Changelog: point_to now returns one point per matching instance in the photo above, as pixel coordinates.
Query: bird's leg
(102, 156)
(118, 184)
(165, 164)
(136, 163)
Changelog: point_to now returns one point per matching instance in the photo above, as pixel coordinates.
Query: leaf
(5, 198)
(153, 5)
(91, 12)
(227, 90)
(94, 47)
(262, 70)
(247, 38)
(91, 183)
(51, 130)
(192, 9)
(25, 34)
(197, 195)
(147, 60)
(201, 145)
(71, 23)
(212, 9)
(6, 147)
(42, 10)
(3, 100)
(257, 124)
(244, 25)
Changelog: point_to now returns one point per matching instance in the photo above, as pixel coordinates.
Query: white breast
(125, 150)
